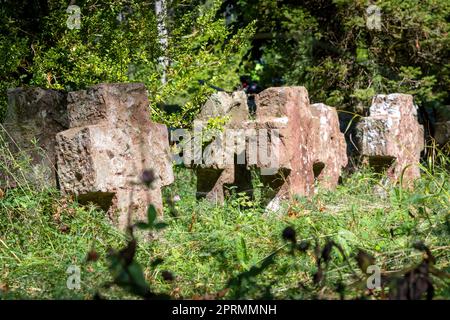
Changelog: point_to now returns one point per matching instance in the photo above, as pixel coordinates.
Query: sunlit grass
(42, 234)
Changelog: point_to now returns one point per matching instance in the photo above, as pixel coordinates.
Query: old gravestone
(304, 144)
(110, 142)
(311, 147)
(329, 145)
(34, 117)
(216, 172)
(391, 138)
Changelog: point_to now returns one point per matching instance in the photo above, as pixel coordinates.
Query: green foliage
(201, 47)
(234, 250)
(12, 49)
(327, 46)
(129, 276)
(104, 49)
(151, 220)
(234, 247)
(217, 123)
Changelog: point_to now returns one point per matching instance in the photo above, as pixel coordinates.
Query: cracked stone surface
(391, 138)
(110, 142)
(329, 146)
(216, 173)
(35, 114)
(307, 139)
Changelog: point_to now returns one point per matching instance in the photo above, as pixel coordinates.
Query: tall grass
(43, 233)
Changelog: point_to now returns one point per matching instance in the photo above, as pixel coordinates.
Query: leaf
(241, 251)
(142, 225)
(350, 123)
(137, 279)
(253, 272)
(126, 272)
(151, 214)
(160, 225)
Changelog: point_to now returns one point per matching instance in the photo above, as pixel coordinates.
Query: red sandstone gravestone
(35, 114)
(287, 109)
(391, 138)
(311, 145)
(110, 142)
(301, 137)
(329, 154)
(217, 171)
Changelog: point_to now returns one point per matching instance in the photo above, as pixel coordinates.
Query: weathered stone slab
(288, 142)
(216, 172)
(287, 109)
(222, 104)
(112, 142)
(36, 114)
(391, 138)
(329, 154)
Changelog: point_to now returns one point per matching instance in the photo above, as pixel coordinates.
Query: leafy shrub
(109, 49)
(328, 47)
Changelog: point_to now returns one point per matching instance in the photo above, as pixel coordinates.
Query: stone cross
(391, 138)
(110, 142)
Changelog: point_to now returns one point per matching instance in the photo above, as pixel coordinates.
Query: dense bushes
(118, 41)
(325, 45)
(343, 58)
